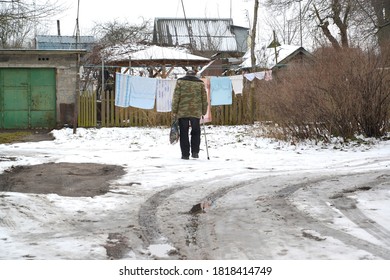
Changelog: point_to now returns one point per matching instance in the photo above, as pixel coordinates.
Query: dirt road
(269, 217)
(259, 219)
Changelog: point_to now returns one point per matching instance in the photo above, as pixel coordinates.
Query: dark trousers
(185, 143)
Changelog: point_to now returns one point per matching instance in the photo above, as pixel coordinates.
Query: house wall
(65, 64)
(242, 35)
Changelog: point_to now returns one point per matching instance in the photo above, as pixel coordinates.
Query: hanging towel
(164, 94)
(122, 90)
(250, 76)
(207, 118)
(142, 92)
(221, 91)
(260, 75)
(263, 75)
(237, 83)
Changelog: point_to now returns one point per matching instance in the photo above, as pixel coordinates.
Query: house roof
(40, 52)
(50, 42)
(155, 55)
(203, 34)
(266, 58)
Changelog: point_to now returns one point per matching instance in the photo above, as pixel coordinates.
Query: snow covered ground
(268, 199)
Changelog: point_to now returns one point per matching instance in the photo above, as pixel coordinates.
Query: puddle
(161, 250)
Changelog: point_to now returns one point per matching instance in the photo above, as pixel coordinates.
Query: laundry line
(145, 93)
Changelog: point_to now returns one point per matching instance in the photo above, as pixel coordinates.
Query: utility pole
(77, 25)
(77, 89)
(230, 9)
(253, 62)
(253, 35)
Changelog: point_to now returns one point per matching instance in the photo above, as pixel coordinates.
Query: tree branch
(324, 25)
(342, 25)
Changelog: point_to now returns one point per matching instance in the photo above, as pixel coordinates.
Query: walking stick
(205, 138)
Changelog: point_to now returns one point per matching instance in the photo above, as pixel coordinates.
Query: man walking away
(189, 103)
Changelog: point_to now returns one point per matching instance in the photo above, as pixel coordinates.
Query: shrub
(340, 93)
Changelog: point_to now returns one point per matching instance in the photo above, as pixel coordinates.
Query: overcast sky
(134, 11)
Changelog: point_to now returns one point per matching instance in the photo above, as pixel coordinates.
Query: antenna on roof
(274, 44)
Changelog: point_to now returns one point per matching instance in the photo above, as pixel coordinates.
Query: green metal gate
(27, 98)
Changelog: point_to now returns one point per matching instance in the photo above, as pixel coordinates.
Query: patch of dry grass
(13, 136)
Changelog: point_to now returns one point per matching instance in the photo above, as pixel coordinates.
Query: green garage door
(27, 98)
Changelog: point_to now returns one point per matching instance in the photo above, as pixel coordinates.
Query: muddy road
(264, 219)
(289, 215)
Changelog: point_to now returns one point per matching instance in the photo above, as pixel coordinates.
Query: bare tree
(116, 32)
(343, 23)
(20, 18)
(113, 37)
(287, 26)
(378, 14)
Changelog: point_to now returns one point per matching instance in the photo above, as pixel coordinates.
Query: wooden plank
(94, 106)
(112, 108)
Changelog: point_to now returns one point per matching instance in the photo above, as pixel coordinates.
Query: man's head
(191, 73)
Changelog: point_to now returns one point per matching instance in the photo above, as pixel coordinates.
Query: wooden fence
(87, 110)
(104, 113)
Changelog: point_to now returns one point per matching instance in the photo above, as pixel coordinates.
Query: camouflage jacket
(189, 98)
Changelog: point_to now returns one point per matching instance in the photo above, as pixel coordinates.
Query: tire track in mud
(354, 214)
(351, 212)
(278, 201)
(151, 232)
(364, 222)
(147, 215)
(7, 223)
(347, 206)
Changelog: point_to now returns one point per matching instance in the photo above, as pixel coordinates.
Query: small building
(215, 38)
(275, 58)
(38, 88)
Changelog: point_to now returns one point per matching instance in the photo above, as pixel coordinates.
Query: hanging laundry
(221, 91)
(237, 83)
(268, 75)
(250, 76)
(164, 94)
(122, 90)
(207, 118)
(260, 75)
(138, 92)
(143, 92)
(263, 75)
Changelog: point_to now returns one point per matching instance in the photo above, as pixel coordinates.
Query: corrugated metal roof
(50, 42)
(206, 34)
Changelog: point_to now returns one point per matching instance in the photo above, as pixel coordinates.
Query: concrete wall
(65, 63)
